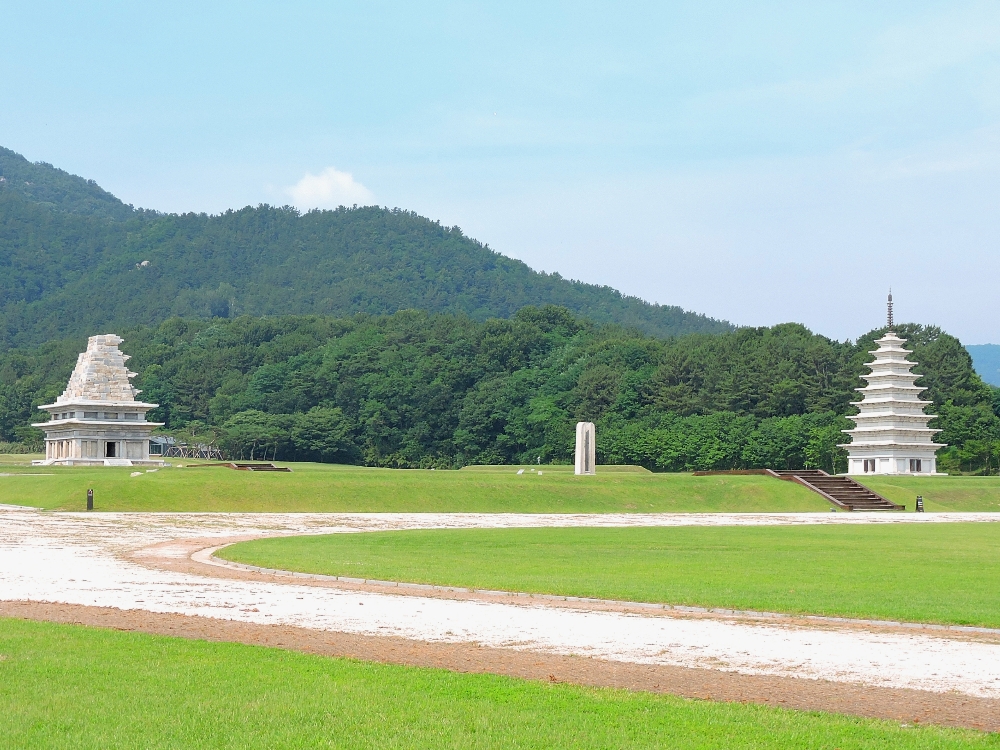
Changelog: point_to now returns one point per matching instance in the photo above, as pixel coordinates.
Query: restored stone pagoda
(891, 436)
(97, 420)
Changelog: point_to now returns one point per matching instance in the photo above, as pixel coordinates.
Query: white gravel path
(80, 558)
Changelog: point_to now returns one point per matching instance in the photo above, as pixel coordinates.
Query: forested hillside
(415, 389)
(74, 259)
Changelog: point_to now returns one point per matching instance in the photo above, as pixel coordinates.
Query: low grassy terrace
(475, 489)
(68, 686)
(333, 488)
(934, 573)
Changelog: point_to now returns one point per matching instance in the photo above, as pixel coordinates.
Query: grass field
(67, 686)
(944, 573)
(940, 493)
(326, 487)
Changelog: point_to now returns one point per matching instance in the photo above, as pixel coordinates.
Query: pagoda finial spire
(890, 323)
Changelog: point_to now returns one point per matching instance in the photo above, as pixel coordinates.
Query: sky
(757, 162)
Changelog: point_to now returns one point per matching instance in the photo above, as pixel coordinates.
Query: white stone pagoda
(891, 435)
(97, 420)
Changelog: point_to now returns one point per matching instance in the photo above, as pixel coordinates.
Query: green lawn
(18, 459)
(940, 493)
(492, 489)
(945, 573)
(326, 487)
(67, 686)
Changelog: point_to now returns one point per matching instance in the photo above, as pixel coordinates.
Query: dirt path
(136, 571)
(908, 706)
(195, 556)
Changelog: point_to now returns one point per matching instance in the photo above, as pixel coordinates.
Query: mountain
(44, 184)
(75, 260)
(986, 360)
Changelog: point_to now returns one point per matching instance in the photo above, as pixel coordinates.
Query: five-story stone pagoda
(891, 436)
(97, 421)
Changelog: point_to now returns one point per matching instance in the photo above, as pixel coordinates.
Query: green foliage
(16, 449)
(420, 390)
(53, 188)
(74, 260)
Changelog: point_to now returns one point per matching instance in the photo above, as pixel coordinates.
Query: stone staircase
(842, 491)
(240, 466)
(257, 467)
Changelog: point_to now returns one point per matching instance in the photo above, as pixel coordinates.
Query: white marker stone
(586, 454)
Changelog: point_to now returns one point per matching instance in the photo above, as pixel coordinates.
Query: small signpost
(90, 499)
(920, 503)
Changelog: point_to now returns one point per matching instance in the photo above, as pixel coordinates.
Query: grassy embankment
(326, 487)
(940, 493)
(69, 686)
(943, 573)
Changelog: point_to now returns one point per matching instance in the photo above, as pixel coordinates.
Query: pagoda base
(158, 463)
(893, 465)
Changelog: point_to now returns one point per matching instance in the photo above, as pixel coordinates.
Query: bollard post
(90, 499)
(920, 503)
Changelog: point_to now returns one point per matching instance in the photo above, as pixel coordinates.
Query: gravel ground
(141, 562)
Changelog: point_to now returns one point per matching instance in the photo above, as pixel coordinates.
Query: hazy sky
(759, 162)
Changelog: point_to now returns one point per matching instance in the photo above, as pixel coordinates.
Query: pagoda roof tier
(879, 388)
(890, 445)
(87, 404)
(890, 342)
(876, 387)
(890, 373)
(886, 429)
(914, 415)
(869, 437)
(891, 361)
(914, 451)
(887, 396)
(881, 395)
(876, 415)
(890, 427)
(105, 422)
(890, 380)
(892, 404)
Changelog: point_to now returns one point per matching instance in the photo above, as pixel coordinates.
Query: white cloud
(328, 189)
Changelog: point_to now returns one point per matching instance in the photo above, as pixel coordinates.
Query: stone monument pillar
(586, 453)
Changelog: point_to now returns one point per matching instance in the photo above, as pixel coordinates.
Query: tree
(324, 434)
(251, 431)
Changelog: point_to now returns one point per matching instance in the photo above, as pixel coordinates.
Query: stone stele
(97, 420)
(586, 452)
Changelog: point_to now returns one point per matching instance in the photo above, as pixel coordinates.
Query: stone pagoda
(97, 420)
(891, 435)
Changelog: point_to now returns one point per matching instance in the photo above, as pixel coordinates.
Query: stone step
(843, 492)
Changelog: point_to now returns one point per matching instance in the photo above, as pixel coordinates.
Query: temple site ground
(156, 572)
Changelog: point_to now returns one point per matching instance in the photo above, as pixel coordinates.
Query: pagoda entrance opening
(109, 449)
(915, 465)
